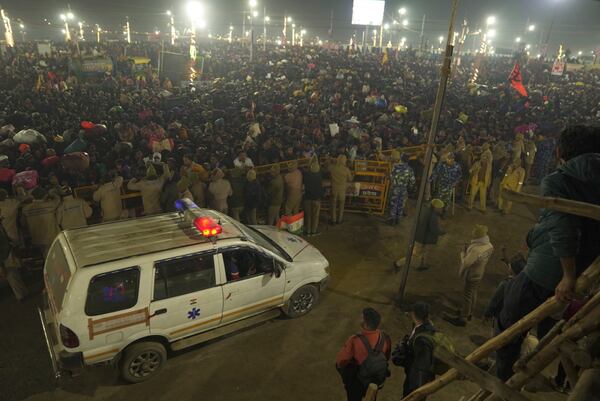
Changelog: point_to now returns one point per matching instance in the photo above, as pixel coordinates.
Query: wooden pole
(579, 356)
(437, 110)
(587, 386)
(559, 204)
(554, 331)
(371, 392)
(485, 380)
(570, 369)
(548, 354)
(548, 308)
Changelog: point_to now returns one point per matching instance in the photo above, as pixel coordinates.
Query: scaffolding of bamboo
(576, 342)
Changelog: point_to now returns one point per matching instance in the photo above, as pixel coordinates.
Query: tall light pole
(374, 37)
(285, 21)
(8, 36)
(66, 18)
(195, 12)
(127, 30)
(172, 26)
(81, 37)
(98, 29)
(266, 19)
(302, 33)
(293, 34)
(22, 29)
(230, 33)
(253, 13)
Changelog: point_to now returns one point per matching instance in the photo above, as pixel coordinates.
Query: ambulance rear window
(57, 274)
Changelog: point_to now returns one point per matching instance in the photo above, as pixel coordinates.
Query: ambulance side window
(184, 275)
(113, 291)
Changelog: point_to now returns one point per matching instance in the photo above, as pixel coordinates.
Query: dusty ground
(286, 359)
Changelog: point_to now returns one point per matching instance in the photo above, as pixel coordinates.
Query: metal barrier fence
(367, 193)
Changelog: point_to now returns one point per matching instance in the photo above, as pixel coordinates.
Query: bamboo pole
(371, 394)
(554, 331)
(579, 356)
(586, 386)
(437, 110)
(548, 354)
(485, 380)
(559, 204)
(548, 308)
(570, 369)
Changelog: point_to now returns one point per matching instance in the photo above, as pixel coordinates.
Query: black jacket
(428, 229)
(313, 186)
(419, 364)
(253, 195)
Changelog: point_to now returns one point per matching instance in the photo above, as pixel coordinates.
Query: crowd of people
(61, 130)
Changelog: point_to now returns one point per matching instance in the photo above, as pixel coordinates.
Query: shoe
(422, 268)
(455, 320)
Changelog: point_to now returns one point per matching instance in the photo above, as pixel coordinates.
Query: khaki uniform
(151, 190)
(530, 151)
(73, 213)
(472, 269)
(198, 177)
(275, 198)
(9, 209)
(340, 176)
(293, 186)
(479, 181)
(513, 180)
(219, 191)
(109, 196)
(40, 219)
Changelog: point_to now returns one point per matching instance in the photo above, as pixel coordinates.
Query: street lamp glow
(267, 18)
(303, 32)
(21, 26)
(374, 31)
(70, 15)
(531, 28)
(289, 19)
(491, 20)
(157, 32)
(579, 53)
(63, 17)
(518, 39)
(386, 26)
(403, 39)
(255, 13)
(491, 33)
(194, 10)
(402, 11)
(404, 22)
(293, 25)
(252, 3)
(528, 47)
(231, 27)
(441, 39)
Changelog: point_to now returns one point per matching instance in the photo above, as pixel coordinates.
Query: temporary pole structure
(437, 108)
(8, 35)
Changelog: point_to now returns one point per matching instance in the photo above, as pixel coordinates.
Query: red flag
(516, 80)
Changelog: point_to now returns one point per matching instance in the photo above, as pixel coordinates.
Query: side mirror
(276, 270)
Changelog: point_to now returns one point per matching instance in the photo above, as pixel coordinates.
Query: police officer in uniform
(109, 196)
(40, 219)
(72, 212)
(340, 176)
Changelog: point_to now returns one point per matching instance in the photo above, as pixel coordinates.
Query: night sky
(577, 23)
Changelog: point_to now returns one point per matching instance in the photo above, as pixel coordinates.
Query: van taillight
(68, 338)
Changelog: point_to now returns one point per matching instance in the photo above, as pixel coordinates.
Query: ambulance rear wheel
(142, 361)
(302, 301)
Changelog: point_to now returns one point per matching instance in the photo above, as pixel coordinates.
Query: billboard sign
(368, 12)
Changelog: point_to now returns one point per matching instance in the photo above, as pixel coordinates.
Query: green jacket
(275, 191)
(559, 234)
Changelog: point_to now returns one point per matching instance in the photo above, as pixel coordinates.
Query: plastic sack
(28, 179)
(29, 136)
(77, 161)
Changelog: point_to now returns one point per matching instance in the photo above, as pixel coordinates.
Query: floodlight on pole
(518, 39)
(70, 15)
(255, 13)
(66, 17)
(491, 20)
(21, 26)
(402, 11)
(531, 28)
(405, 22)
(386, 26)
(441, 40)
(302, 33)
(252, 3)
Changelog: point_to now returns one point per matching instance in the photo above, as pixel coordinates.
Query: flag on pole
(516, 81)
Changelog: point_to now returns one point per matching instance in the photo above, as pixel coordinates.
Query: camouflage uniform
(445, 177)
(402, 179)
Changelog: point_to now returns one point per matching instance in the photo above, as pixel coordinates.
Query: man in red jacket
(354, 353)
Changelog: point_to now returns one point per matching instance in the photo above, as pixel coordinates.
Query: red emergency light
(208, 226)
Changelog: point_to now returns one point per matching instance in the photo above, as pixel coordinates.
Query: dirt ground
(288, 359)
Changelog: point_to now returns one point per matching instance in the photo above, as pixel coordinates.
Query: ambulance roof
(122, 239)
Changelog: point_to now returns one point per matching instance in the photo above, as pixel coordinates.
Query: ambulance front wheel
(142, 361)
(302, 301)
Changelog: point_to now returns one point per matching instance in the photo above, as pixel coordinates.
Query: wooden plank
(559, 204)
(548, 308)
(588, 386)
(483, 379)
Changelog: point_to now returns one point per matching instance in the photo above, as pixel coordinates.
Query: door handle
(159, 312)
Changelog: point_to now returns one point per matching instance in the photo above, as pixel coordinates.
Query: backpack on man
(374, 368)
(437, 339)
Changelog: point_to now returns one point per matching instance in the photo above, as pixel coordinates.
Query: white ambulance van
(126, 292)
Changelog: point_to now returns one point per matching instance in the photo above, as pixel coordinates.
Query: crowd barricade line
(367, 193)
